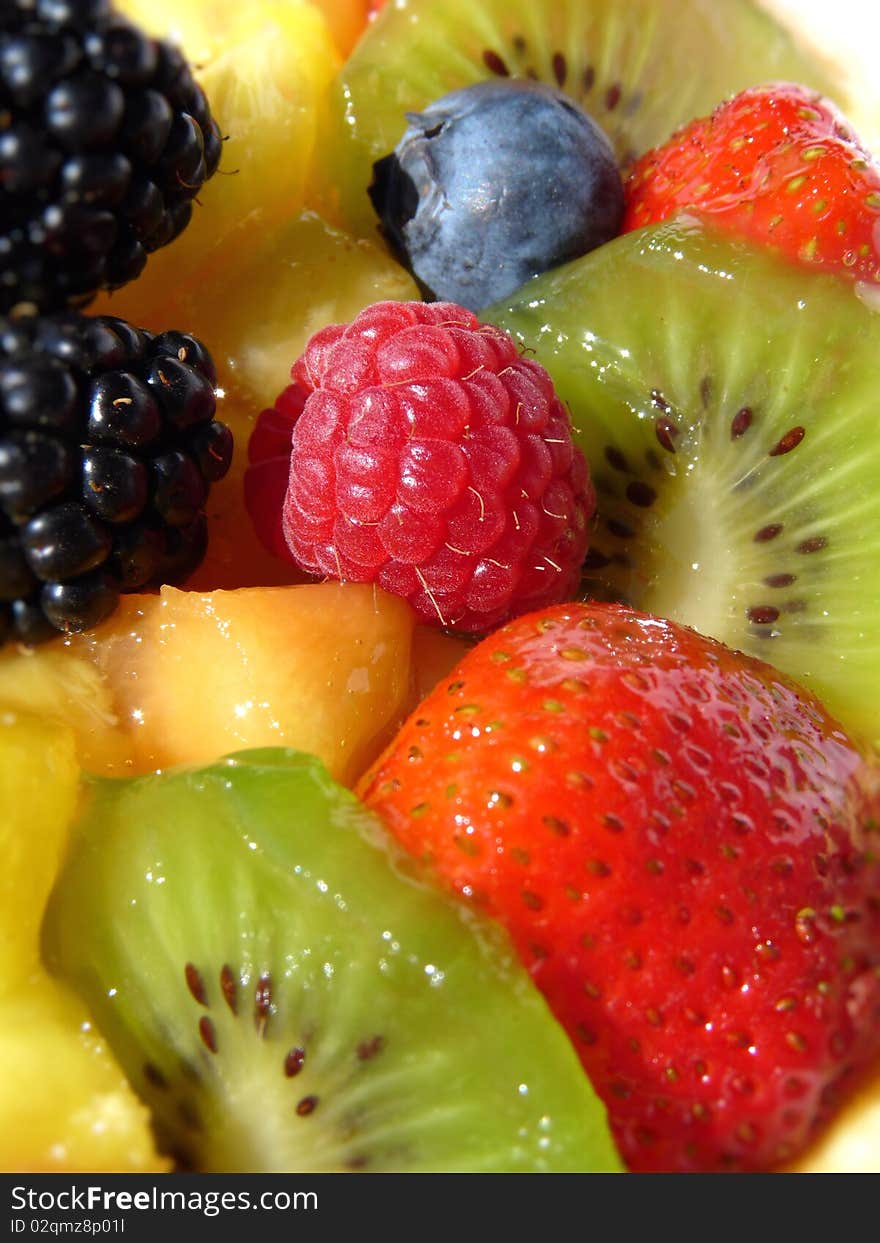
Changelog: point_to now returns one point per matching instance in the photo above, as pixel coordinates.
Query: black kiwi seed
(229, 987)
(369, 1048)
(789, 441)
(154, 1076)
(495, 64)
(262, 1003)
(740, 423)
(294, 1061)
(195, 984)
(189, 1115)
(208, 1033)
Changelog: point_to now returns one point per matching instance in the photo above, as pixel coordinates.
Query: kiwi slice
(640, 69)
(286, 997)
(727, 403)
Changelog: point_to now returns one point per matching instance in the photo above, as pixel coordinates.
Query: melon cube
(323, 668)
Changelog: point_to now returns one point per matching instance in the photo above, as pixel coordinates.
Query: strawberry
(777, 164)
(676, 838)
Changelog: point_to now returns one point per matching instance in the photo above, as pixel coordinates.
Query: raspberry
(432, 459)
(265, 480)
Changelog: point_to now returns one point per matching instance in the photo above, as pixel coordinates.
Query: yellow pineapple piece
(323, 668)
(65, 1105)
(302, 277)
(255, 274)
(264, 66)
(64, 1102)
(205, 28)
(39, 782)
(56, 686)
(256, 319)
(256, 312)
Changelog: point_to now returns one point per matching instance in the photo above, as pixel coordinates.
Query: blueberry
(494, 184)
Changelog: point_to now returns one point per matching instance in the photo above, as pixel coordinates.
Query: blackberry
(105, 140)
(428, 456)
(108, 447)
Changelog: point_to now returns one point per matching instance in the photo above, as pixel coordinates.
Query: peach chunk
(323, 668)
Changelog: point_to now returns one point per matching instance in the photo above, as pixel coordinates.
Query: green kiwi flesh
(728, 404)
(640, 68)
(286, 997)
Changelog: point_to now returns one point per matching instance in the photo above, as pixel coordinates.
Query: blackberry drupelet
(105, 140)
(108, 447)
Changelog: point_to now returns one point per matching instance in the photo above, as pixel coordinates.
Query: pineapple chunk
(53, 684)
(65, 1104)
(254, 274)
(264, 66)
(39, 780)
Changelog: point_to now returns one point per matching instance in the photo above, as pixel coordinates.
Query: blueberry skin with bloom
(494, 184)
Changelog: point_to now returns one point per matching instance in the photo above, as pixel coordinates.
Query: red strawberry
(777, 164)
(676, 838)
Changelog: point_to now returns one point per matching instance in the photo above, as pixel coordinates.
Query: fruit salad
(438, 617)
